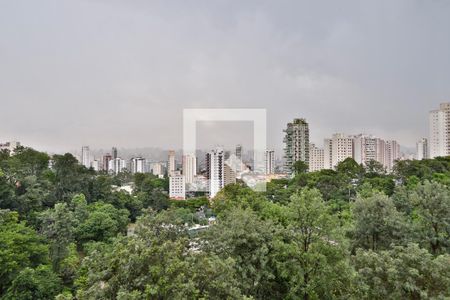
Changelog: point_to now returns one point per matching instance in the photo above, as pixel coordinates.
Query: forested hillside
(353, 233)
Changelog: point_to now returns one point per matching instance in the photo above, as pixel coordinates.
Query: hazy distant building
(171, 162)
(269, 161)
(177, 186)
(337, 149)
(229, 175)
(236, 164)
(238, 151)
(422, 149)
(189, 167)
(439, 142)
(85, 156)
(115, 166)
(316, 158)
(407, 156)
(157, 169)
(9, 146)
(105, 161)
(215, 171)
(138, 165)
(296, 143)
(95, 164)
(199, 184)
(114, 153)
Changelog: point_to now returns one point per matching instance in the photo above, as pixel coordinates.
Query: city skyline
(377, 68)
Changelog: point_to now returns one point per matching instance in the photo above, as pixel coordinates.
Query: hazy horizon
(115, 73)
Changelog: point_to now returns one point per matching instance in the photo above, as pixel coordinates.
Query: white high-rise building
(177, 186)
(422, 149)
(327, 153)
(270, 162)
(337, 149)
(367, 148)
(362, 148)
(215, 171)
(439, 142)
(157, 169)
(115, 166)
(138, 165)
(391, 155)
(171, 162)
(85, 156)
(316, 158)
(296, 143)
(189, 167)
(95, 164)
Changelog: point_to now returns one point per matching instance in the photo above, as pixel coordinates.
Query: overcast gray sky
(120, 73)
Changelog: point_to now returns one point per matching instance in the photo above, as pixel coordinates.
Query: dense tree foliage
(357, 232)
(20, 247)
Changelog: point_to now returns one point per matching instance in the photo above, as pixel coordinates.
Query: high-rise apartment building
(367, 148)
(215, 171)
(269, 162)
(105, 161)
(95, 164)
(422, 149)
(296, 141)
(391, 154)
(177, 186)
(362, 148)
(238, 151)
(115, 166)
(189, 167)
(439, 142)
(114, 153)
(85, 157)
(229, 175)
(171, 162)
(157, 169)
(316, 158)
(138, 165)
(337, 149)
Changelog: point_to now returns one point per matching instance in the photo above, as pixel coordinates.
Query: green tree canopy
(20, 247)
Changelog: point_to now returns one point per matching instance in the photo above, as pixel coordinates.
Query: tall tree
(157, 262)
(403, 273)
(432, 206)
(103, 222)
(248, 240)
(58, 225)
(20, 247)
(34, 284)
(377, 222)
(312, 256)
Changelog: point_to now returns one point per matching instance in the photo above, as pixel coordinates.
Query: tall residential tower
(171, 163)
(269, 162)
(296, 141)
(215, 171)
(422, 149)
(439, 142)
(189, 167)
(85, 157)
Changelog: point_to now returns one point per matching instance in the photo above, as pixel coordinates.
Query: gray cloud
(119, 73)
